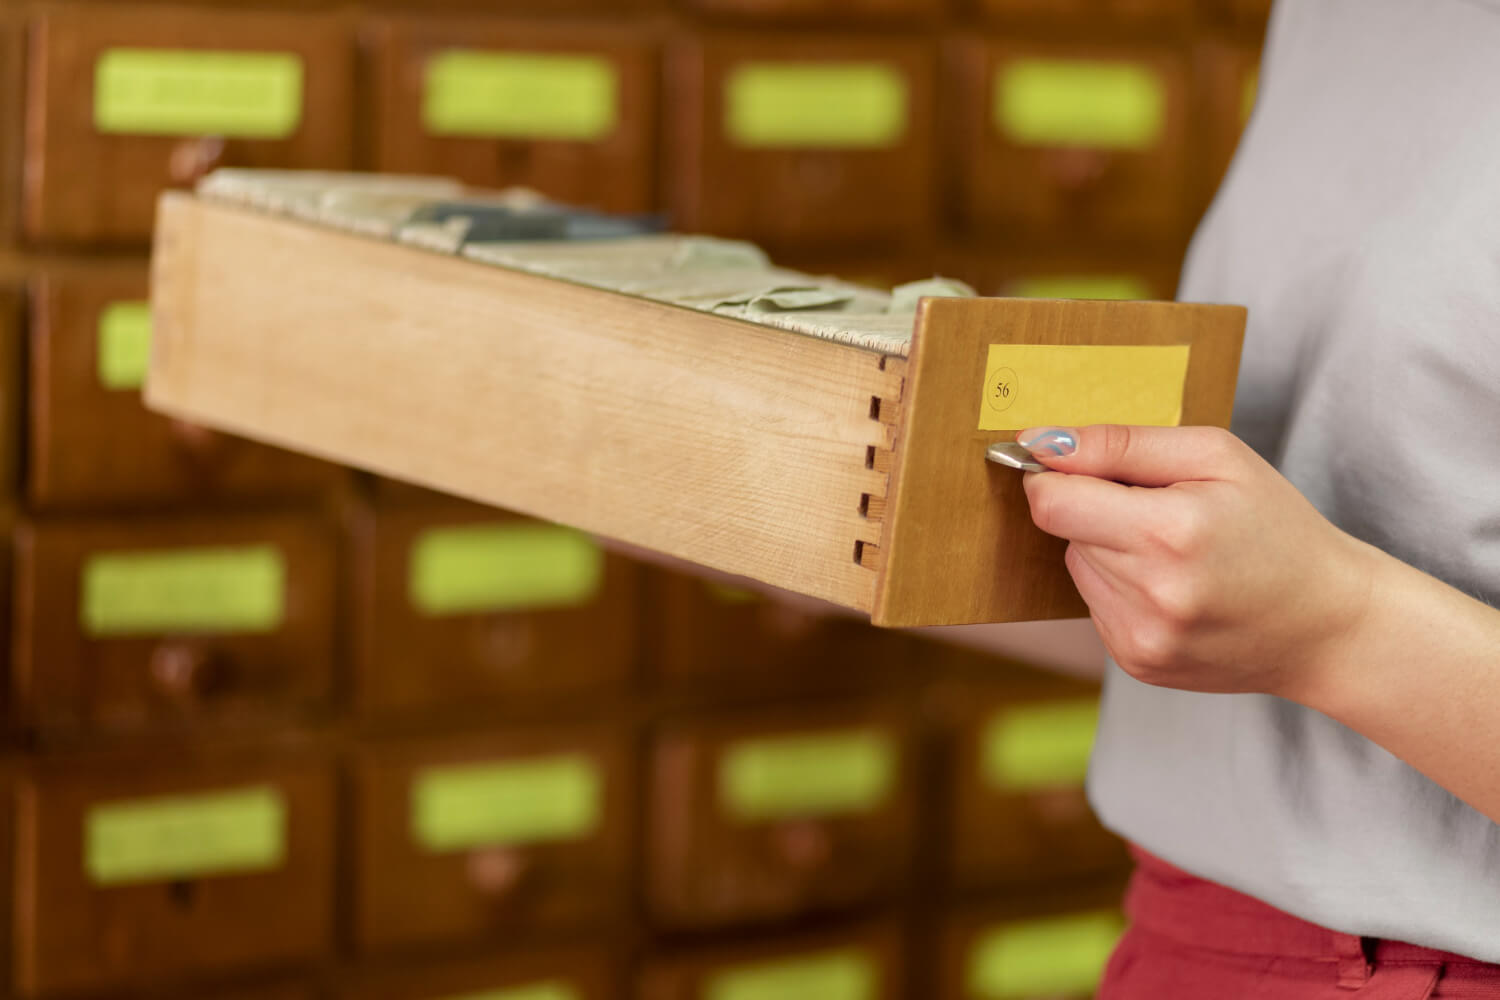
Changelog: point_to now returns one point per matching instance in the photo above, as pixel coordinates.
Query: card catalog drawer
(567, 109)
(763, 816)
(803, 139)
(94, 443)
(1228, 77)
(484, 836)
(1080, 139)
(125, 101)
(123, 624)
(865, 963)
(10, 390)
(1089, 12)
(842, 11)
(1056, 951)
(547, 974)
(130, 872)
(459, 603)
(1034, 273)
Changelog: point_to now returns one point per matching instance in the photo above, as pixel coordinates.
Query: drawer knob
(202, 444)
(786, 623)
(1075, 171)
(509, 642)
(185, 671)
(805, 845)
(192, 158)
(497, 871)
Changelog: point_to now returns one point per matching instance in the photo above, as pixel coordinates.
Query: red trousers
(1195, 940)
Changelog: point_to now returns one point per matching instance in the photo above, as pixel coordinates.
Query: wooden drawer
(803, 139)
(1227, 78)
(864, 963)
(458, 604)
(124, 624)
(567, 109)
(488, 836)
(12, 82)
(1085, 139)
(762, 816)
(1043, 949)
(1075, 12)
(10, 390)
(94, 444)
(1020, 756)
(123, 101)
(1033, 272)
(133, 871)
(841, 12)
(547, 974)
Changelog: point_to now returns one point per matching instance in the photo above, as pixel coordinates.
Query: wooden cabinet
(1039, 272)
(1047, 948)
(1088, 13)
(840, 12)
(11, 383)
(858, 963)
(201, 620)
(123, 101)
(503, 835)
(766, 815)
(133, 871)
(530, 974)
(1227, 77)
(567, 109)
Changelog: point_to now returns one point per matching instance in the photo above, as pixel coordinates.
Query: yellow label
(221, 589)
(1248, 92)
(185, 836)
(523, 801)
(815, 774)
(1033, 385)
(816, 105)
(124, 345)
(1040, 746)
(477, 568)
(532, 991)
(1065, 102)
(1055, 957)
(837, 975)
(1081, 286)
(247, 95)
(521, 95)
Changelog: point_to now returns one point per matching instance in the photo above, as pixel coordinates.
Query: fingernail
(1057, 441)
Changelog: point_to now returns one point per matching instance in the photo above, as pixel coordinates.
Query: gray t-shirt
(1360, 223)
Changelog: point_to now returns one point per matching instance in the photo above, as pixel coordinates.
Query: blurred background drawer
(123, 101)
(1043, 273)
(843, 12)
(492, 836)
(459, 604)
(566, 108)
(10, 390)
(204, 619)
(803, 139)
(136, 870)
(530, 975)
(1228, 77)
(768, 814)
(1083, 139)
(863, 963)
(94, 443)
(1074, 12)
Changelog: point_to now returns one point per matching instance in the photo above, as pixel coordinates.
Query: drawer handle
(202, 444)
(786, 623)
(804, 845)
(509, 642)
(497, 871)
(1063, 806)
(1076, 171)
(192, 158)
(186, 671)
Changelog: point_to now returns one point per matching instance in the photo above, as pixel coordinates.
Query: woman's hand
(1203, 568)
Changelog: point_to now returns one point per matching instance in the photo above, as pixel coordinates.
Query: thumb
(1140, 456)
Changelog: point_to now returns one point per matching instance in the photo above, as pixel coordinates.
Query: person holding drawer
(1298, 732)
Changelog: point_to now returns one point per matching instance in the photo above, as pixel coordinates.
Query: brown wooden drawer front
(1020, 814)
(803, 139)
(10, 390)
(1032, 273)
(461, 603)
(529, 974)
(842, 11)
(1044, 948)
(865, 963)
(1089, 12)
(1228, 77)
(762, 816)
(124, 624)
(92, 440)
(133, 874)
(567, 109)
(125, 101)
(491, 836)
(1075, 138)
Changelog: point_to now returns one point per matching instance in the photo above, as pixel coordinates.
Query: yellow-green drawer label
(837, 975)
(471, 569)
(1081, 286)
(816, 105)
(246, 95)
(1061, 102)
(1249, 90)
(531, 991)
(816, 774)
(124, 344)
(212, 589)
(1072, 385)
(517, 802)
(1055, 957)
(185, 836)
(521, 95)
(1039, 746)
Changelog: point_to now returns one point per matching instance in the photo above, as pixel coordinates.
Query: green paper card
(124, 340)
(218, 589)
(837, 975)
(1044, 745)
(517, 802)
(1081, 286)
(472, 569)
(779, 105)
(1060, 102)
(239, 95)
(817, 774)
(1056, 957)
(185, 836)
(533, 991)
(520, 95)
